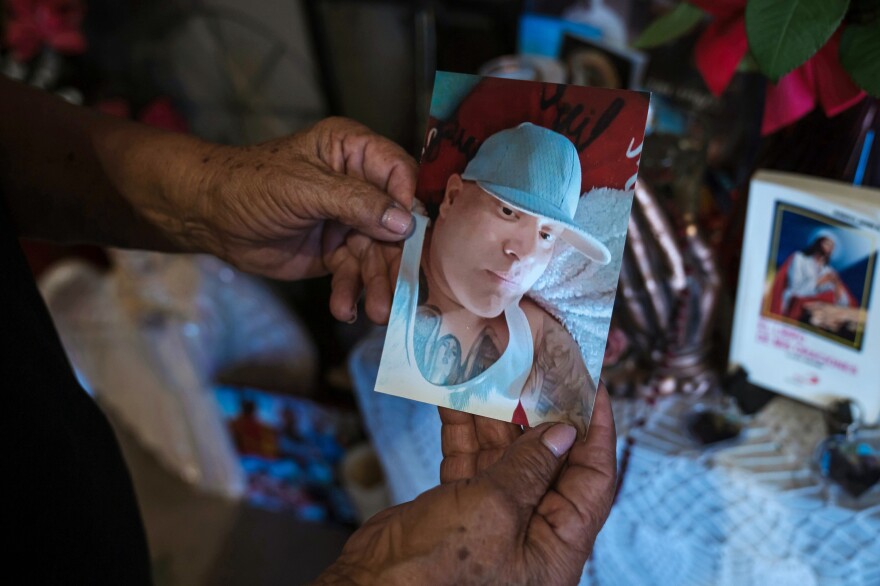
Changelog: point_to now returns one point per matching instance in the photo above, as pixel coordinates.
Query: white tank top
(493, 393)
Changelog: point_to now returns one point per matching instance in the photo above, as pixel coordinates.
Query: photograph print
(505, 289)
(819, 275)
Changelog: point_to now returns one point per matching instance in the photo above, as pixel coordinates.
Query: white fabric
(492, 393)
(747, 512)
(578, 292)
(147, 339)
(406, 434)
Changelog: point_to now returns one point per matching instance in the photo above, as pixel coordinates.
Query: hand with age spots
(278, 208)
(366, 265)
(513, 508)
(282, 207)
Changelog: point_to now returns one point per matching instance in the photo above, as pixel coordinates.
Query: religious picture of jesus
(472, 326)
(819, 275)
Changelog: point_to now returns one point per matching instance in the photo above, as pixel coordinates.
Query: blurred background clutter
(247, 413)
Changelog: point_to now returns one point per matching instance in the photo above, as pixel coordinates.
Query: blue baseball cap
(537, 171)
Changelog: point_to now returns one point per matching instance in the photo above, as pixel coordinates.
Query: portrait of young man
(463, 332)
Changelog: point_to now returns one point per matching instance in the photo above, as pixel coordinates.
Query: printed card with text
(806, 324)
(505, 290)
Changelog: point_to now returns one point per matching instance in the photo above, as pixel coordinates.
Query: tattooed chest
(441, 358)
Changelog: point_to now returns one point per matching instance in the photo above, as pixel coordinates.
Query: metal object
(668, 292)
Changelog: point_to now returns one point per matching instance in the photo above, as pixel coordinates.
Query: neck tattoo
(440, 357)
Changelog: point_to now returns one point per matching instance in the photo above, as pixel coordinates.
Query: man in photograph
(461, 321)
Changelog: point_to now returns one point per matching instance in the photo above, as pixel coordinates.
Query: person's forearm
(69, 174)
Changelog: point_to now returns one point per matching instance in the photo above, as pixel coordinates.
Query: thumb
(530, 465)
(362, 206)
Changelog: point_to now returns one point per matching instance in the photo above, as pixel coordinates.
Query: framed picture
(819, 275)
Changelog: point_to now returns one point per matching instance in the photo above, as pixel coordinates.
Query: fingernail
(397, 220)
(354, 315)
(559, 438)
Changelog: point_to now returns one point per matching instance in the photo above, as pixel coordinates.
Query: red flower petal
(50, 22)
(24, 40)
(20, 7)
(69, 42)
(833, 85)
(719, 50)
(789, 100)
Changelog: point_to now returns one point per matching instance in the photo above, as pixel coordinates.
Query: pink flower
(821, 79)
(33, 24)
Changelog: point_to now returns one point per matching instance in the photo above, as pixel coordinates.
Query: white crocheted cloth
(751, 512)
(578, 292)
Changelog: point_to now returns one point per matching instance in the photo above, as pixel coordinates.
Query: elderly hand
(73, 175)
(280, 208)
(527, 513)
(368, 265)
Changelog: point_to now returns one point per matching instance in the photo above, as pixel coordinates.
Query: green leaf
(672, 25)
(783, 34)
(860, 55)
